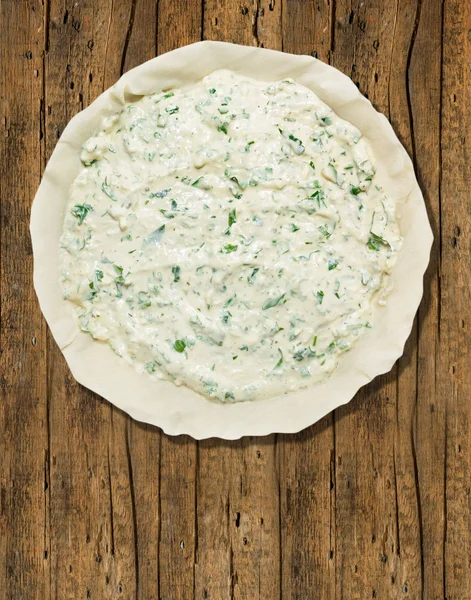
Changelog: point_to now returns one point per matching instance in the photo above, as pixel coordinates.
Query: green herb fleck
(80, 211)
(108, 191)
(232, 217)
(119, 280)
(303, 353)
(271, 302)
(319, 196)
(354, 190)
(251, 278)
(376, 241)
(160, 194)
(223, 127)
(293, 227)
(93, 292)
(150, 366)
(144, 300)
(325, 120)
(280, 362)
(179, 345)
(231, 301)
(155, 236)
(324, 230)
(228, 248)
(119, 271)
(176, 273)
(333, 263)
(320, 296)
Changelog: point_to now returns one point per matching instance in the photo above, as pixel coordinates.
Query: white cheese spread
(229, 236)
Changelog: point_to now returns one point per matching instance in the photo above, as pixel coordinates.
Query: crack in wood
(127, 39)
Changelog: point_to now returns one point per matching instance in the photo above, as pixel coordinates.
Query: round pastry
(253, 237)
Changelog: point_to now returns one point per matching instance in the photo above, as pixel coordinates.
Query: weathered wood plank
(385, 505)
(141, 459)
(238, 541)
(178, 23)
(255, 527)
(96, 515)
(454, 374)
(24, 473)
(307, 27)
(215, 520)
(407, 569)
(306, 460)
(307, 515)
(424, 86)
(82, 545)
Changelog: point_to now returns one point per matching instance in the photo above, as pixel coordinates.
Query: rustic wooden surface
(374, 501)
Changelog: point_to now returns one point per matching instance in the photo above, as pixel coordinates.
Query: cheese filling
(229, 236)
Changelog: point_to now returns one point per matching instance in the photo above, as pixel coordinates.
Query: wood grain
(454, 376)
(24, 497)
(371, 502)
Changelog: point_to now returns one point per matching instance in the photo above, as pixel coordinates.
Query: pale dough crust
(179, 410)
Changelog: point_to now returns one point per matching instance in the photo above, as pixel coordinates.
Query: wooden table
(372, 502)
